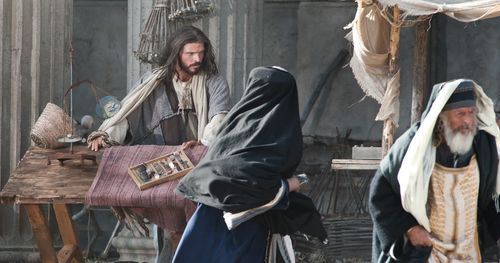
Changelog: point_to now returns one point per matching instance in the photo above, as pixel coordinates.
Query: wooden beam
(16, 83)
(3, 177)
(35, 62)
(42, 233)
(67, 231)
(420, 84)
(60, 27)
(360, 164)
(138, 12)
(388, 132)
(67, 253)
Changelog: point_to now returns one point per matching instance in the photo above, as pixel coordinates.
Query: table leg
(41, 232)
(71, 250)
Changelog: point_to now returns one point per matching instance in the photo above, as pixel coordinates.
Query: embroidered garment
(452, 209)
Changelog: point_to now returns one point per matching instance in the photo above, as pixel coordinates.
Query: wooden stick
(67, 253)
(420, 67)
(68, 235)
(361, 164)
(388, 132)
(41, 232)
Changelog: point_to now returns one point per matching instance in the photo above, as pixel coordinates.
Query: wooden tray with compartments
(162, 169)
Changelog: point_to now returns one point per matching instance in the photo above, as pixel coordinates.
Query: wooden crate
(162, 169)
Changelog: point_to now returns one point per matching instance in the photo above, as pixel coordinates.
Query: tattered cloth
(461, 10)
(370, 36)
(113, 186)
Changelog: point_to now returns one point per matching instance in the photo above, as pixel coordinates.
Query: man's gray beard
(458, 142)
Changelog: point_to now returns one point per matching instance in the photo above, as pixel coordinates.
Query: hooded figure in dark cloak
(243, 183)
(434, 195)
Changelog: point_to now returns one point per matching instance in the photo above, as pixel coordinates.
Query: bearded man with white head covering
(437, 190)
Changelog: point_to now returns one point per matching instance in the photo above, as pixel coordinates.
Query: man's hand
(419, 237)
(293, 184)
(190, 144)
(95, 144)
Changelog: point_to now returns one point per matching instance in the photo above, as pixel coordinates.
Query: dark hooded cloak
(258, 145)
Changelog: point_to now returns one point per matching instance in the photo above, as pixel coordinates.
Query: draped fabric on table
(370, 36)
(113, 186)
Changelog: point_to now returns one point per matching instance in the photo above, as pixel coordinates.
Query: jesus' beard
(188, 69)
(458, 142)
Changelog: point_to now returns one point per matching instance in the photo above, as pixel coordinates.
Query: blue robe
(207, 239)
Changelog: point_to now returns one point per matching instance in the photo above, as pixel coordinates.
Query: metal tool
(175, 163)
(172, 165)
(302, 178)
(143, 173)
(179, 160)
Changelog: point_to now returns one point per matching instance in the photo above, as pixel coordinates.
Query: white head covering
(417, 165)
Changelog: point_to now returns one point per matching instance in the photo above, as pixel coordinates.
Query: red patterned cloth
(113, 186)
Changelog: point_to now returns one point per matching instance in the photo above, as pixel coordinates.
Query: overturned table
(34, 183)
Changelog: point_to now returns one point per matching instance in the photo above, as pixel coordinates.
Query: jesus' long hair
(171, 53)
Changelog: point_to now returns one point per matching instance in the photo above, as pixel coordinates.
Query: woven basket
(52, 123)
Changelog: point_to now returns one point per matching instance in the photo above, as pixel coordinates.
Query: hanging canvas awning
(461, 10)
(371, 42)
(370, 60)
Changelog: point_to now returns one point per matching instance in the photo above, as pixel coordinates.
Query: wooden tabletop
(36, 182)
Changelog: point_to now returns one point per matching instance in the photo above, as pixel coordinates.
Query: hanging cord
(93, 88)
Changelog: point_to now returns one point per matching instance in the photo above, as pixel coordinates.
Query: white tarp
(462, 10)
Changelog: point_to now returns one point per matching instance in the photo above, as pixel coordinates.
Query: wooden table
(34, 183)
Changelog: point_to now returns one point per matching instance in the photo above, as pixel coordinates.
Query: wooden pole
(41, 232)
(35, 62)
(71, 250)
(16, 80)
(388, 132)
(420, 85)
